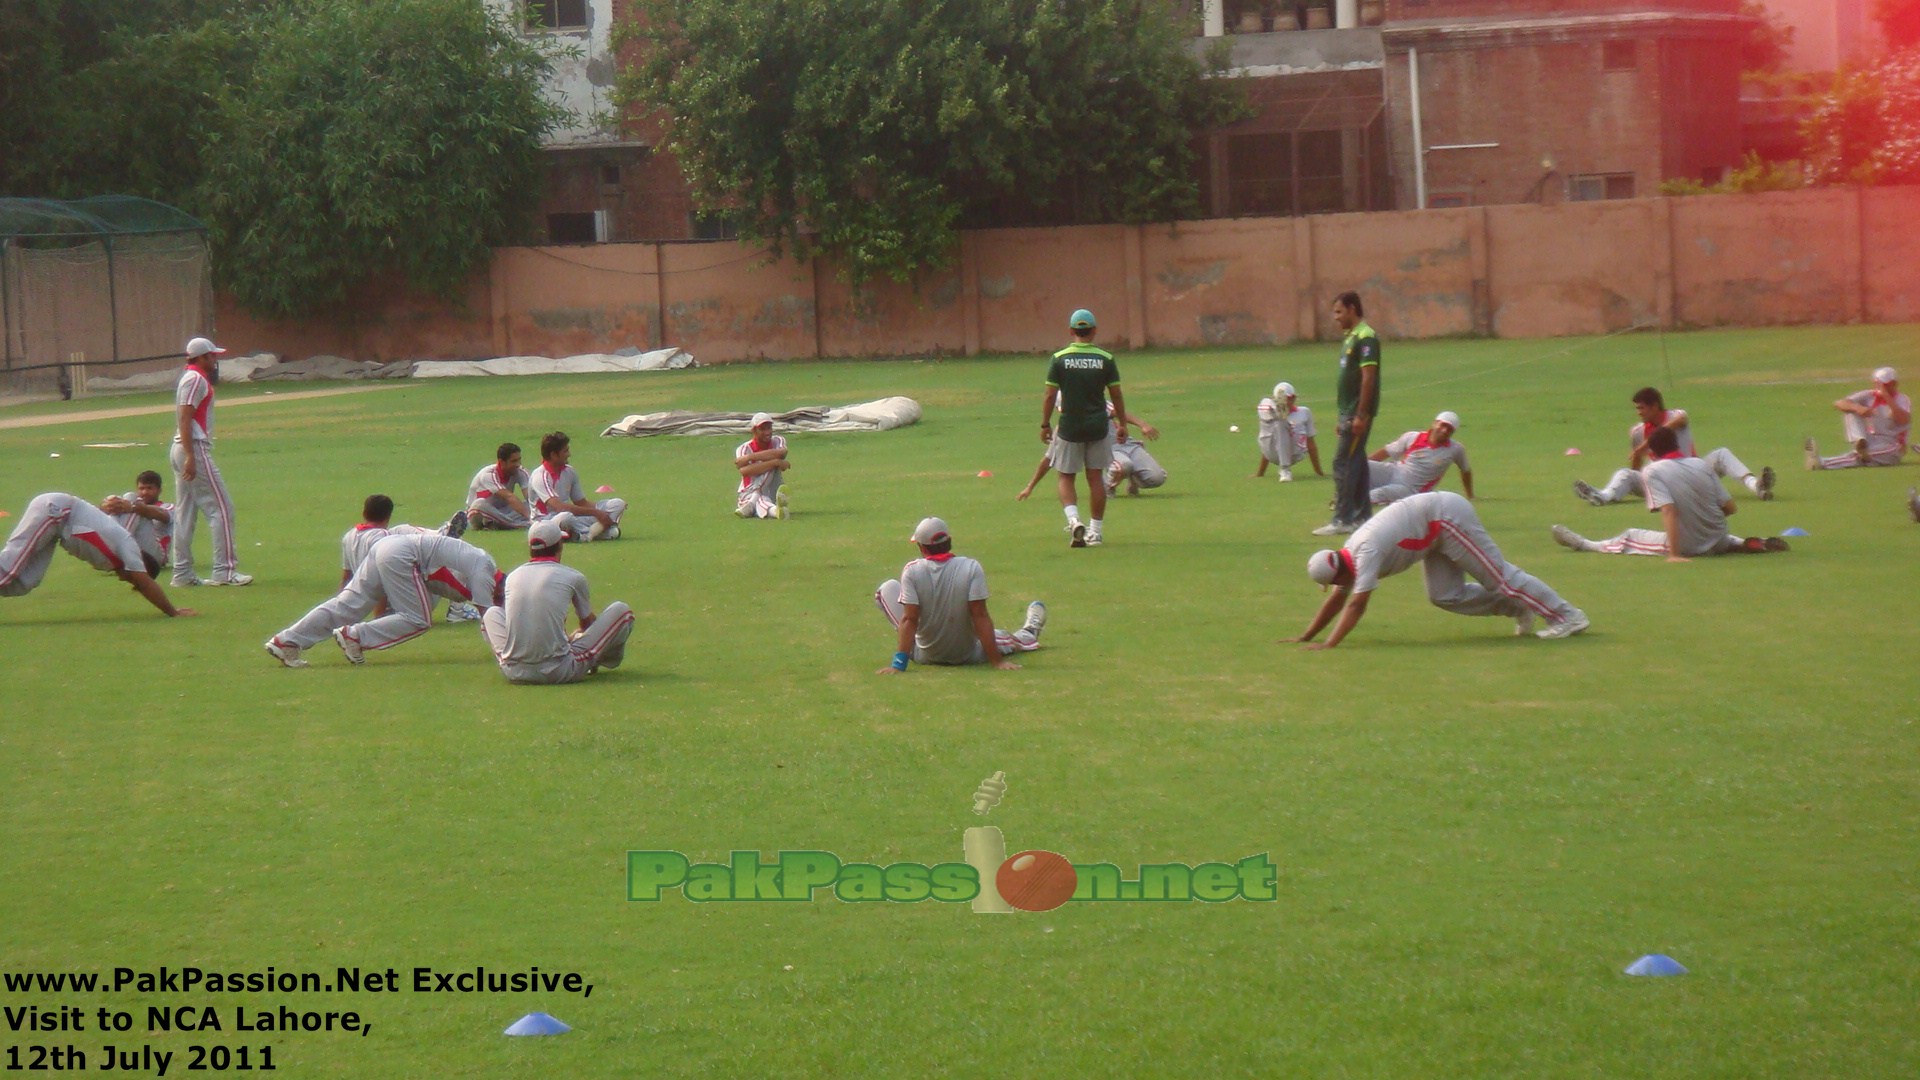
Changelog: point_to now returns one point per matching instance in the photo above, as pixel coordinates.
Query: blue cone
(538, 1024)
(1655, 964)
(1795, 531)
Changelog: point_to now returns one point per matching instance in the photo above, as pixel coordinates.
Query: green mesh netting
(109, 285)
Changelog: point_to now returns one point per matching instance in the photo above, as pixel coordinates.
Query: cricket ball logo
(1029, 881)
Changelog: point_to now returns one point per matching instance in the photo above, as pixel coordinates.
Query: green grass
(1475, 833)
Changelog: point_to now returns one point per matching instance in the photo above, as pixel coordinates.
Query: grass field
(1475, 833)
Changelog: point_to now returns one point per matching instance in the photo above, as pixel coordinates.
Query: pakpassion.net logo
(988, 879)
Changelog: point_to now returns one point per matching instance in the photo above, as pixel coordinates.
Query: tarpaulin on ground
(266, 367)
(881, 415)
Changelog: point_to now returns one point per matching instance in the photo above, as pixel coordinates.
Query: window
(715, 227)
(556, 14)
(609, 175)
(580, 228)
(1596, 186)
(1618, 56)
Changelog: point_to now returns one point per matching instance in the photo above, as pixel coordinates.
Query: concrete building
(605, 183)
(1470, 102)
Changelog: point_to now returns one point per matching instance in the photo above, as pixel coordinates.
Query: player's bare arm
(1670, 520)
(150, 589)
(1466, 481)
(903, 643)
(1039, 474)
(983, 629)
(1046, 413)
(1335, 600)
(1349, 618)
(1369, 399)
(1147, 429)
(1119, 414)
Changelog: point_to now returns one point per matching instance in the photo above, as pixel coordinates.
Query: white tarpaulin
(657, 360)
(881, 415)
(266, 367)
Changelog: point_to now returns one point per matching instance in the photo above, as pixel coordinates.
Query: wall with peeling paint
(1829, 256)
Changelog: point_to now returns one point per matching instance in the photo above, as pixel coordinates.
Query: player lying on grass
(938, 605)
(1439, 531)
(88, 534)
(1654, 415)
(1416, 461)
(1692, 506)
(528, 631)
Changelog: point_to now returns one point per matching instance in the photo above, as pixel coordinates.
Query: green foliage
(1753, 175)
(1865, 129)
(1765, 46)
(323, 141)
(1899, 21)
(873, 130)
(403, 136)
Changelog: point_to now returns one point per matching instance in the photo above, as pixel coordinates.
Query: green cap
(1081, 320)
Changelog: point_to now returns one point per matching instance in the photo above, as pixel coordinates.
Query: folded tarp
(657, 360)
(880, 415)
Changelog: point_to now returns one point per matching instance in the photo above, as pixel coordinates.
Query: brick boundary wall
(1825, 256)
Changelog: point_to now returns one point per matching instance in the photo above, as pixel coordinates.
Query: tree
(1866, 128)
(872, 130)
(403, 136)
(1765, 47)
(1900, 21)
(323, 141)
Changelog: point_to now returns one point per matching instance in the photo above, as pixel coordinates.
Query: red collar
(1346, 559)
(500, 471)
(551, 471)
(938, 558)
(1675, 456)
(545, 558)
(365, 525)
(1421, 441)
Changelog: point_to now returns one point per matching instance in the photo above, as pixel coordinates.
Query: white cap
(760, 418)
(201, 347)
(1451, 419)
(1323, 566)
(1283, 390)
(930, 531)
(548, 532)
(1885, 375)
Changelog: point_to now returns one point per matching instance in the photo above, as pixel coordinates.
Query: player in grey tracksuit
(528, 632)
(58, 519)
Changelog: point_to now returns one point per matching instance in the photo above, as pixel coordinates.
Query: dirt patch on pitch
(159, 410)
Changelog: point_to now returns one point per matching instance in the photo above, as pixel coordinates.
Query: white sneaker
(186, 582)
(462, 612)
(1523, 623)
(1093, 538)
(1566, 627)
(288, 655)
(1036, 618)
(235, 579)
(1286, 476)
(1584, 490)
(1333, 529)
(355, 654)
(1077, 534)
(1566, 537)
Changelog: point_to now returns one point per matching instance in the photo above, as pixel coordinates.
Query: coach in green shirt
(1079, 377)
(1358, 402)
